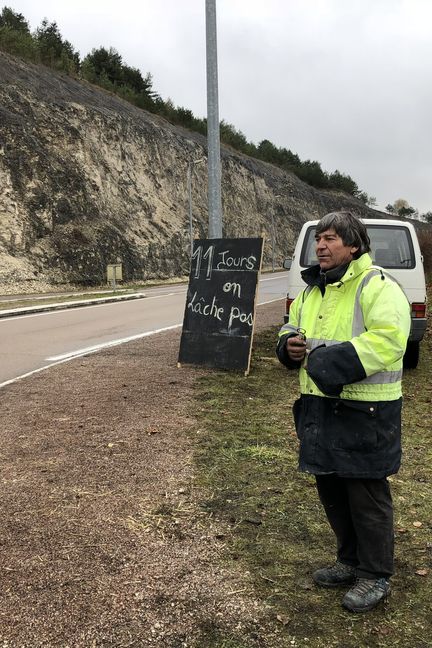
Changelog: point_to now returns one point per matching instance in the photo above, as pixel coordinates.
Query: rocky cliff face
(87, 179)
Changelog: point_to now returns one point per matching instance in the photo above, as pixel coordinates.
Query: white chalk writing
(237, 314)
(235, 288)
(202, 307)
(239, 263)
(199, 256)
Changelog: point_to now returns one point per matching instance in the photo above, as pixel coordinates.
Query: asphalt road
(31, 343)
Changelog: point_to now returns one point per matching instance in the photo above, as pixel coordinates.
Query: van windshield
(391, 247)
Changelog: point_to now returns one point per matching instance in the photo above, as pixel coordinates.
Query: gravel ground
(103, 540)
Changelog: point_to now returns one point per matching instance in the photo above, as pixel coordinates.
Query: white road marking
(30, 373)
(179, 292)
(270, 301)
(269, 279)
(56, 360)
(105, 345)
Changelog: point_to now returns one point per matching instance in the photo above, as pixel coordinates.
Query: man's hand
(296, 348)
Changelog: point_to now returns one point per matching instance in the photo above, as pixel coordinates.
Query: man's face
(331, 250)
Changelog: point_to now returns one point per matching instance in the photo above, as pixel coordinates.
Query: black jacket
(350, 438)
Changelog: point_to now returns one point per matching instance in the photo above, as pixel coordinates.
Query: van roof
(374, 221)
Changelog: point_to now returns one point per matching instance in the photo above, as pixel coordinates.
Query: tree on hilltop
(106, 68)
(13, 20)
(403, 208)
(312, 173)
(103, 63)
(338, 180)
(53, 50)
(15, 36)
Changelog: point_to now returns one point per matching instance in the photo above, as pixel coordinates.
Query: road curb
(30, 310)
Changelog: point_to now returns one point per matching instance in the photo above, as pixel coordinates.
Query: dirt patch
(104, 540)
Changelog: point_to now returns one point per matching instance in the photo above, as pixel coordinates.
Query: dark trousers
(360, 512)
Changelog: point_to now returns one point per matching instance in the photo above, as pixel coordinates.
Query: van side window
(308, 256)
(391, 247)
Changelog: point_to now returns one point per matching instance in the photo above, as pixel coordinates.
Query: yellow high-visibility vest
(368, 308)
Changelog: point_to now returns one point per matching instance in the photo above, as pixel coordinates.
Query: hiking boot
(366, 594)
(334, 576)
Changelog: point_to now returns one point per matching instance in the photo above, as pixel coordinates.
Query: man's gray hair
(350, 228)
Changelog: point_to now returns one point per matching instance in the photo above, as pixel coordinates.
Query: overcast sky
(344, 82)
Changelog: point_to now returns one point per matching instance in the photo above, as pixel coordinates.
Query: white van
(394, 246)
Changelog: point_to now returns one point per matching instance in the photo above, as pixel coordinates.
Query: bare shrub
(425, 241)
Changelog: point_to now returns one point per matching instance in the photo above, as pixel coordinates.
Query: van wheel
(411, 356)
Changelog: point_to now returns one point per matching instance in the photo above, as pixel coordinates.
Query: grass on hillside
(247, 460)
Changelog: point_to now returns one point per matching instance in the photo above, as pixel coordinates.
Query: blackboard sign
(220, 303)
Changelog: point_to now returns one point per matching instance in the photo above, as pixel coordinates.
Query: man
(347, 333)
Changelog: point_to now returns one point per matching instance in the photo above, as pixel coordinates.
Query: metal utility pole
(213, 135)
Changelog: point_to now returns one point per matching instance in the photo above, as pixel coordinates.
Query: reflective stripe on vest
(306, 291)
(288, 328)
(380, 378)
(358, 321)
(358, 325)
